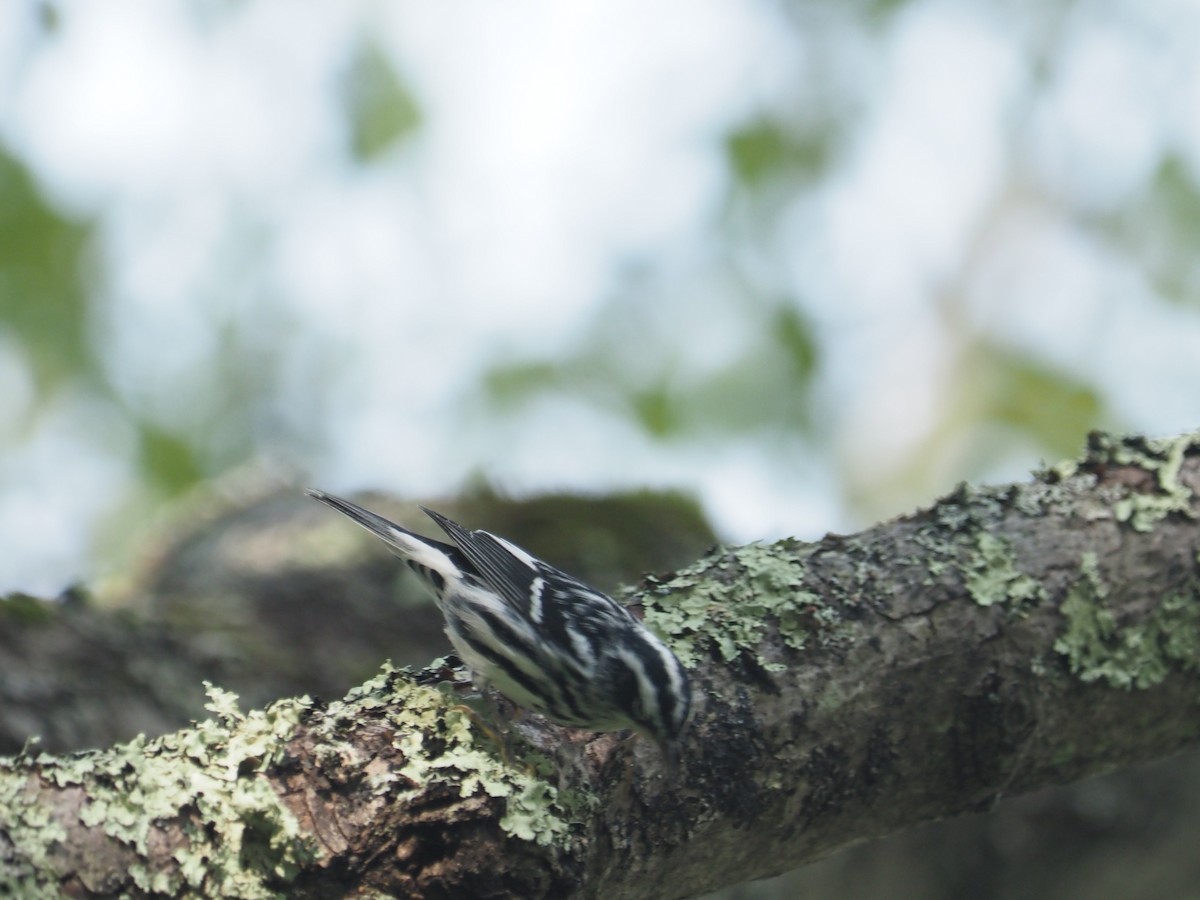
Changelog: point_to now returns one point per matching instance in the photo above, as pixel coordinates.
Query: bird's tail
(428, 556)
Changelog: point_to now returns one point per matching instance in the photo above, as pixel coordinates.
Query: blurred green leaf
(49, 18)
(1044, 403)
(765, 387)
(382, 112)
(513, 384)
(1164, 229)
(168, 461)
(883, 10)
(41, 288)
(764, 150)
(656, 410)
(794, 335)
(1180, 198)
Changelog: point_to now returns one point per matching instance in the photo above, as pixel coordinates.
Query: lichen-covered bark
(391, 789)
(1004, 639)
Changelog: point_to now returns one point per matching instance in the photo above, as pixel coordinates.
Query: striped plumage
(545, 640)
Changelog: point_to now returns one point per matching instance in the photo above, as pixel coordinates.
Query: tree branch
(1005, 639)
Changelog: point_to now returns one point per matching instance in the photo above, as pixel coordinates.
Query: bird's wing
(515, 574)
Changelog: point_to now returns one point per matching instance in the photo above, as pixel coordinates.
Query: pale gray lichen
(209, 780)
(31, 832)
(466, 756)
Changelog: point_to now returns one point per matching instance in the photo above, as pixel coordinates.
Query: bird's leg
(485, 712)
(477, 701)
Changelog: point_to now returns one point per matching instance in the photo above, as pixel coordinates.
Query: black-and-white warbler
(545, 640)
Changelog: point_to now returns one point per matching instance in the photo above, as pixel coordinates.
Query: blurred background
(810, 263)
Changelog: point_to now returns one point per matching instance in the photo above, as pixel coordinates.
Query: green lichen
(1063, 470)
(241, 840)
(965, 535)
(992, 576)
(732, 596)
(1137, 655)
(1161, 457)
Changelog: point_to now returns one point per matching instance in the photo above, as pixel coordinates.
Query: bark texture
(1005, 639)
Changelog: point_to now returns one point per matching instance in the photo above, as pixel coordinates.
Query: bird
(542, 638)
